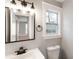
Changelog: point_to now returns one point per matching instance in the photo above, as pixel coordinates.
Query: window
(51, 20)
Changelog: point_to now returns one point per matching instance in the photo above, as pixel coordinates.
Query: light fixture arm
(24, 3)
(13, 2)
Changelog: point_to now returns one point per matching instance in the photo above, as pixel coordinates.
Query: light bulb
(32, 11)
(46, 13)
(14, 10)
(23, 11)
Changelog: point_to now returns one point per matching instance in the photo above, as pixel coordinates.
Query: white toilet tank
(53, 52)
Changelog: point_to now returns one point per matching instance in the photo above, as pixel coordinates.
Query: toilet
(53, 52)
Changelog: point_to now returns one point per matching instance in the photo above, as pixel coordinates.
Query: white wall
(39, 41)
(67, 41)
(54, 2)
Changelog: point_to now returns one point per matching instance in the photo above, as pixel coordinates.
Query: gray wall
(39, 41)
(67, 41)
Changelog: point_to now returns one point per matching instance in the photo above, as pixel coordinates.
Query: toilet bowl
(53, 52)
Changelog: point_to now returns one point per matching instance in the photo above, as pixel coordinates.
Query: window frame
(50, 21)
(46, 7)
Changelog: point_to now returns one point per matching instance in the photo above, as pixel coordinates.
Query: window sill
(52, 37)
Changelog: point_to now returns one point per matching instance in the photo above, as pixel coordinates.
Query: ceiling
(60, 0)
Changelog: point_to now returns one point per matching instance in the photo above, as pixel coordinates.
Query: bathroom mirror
(20, 25)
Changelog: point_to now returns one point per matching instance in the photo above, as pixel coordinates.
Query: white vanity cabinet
(30, 54)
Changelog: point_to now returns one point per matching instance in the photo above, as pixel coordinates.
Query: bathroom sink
(30, 54)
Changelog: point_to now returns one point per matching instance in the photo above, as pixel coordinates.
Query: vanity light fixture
(32, 6)
(24, 3)
(13, 2)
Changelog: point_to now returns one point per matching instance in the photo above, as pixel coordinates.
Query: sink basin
(30, 54)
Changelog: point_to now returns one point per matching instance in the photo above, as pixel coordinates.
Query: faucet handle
(21, 51)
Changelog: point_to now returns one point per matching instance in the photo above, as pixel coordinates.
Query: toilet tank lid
(53, 47)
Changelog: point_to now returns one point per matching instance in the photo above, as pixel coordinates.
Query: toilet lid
(53, 47)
